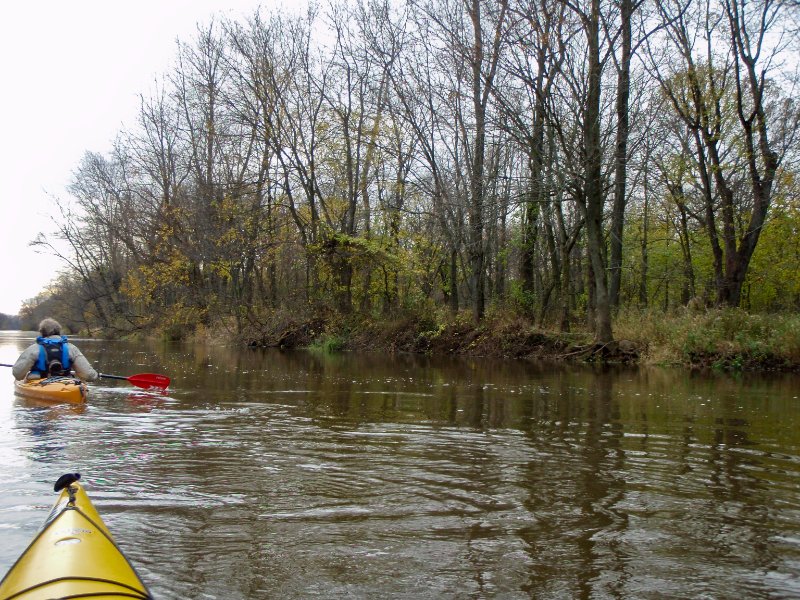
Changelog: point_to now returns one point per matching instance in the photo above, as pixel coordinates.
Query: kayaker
(52, 355)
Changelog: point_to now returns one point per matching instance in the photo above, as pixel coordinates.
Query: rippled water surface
(265, 474)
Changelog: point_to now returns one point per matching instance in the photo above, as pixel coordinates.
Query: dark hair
(49, 327)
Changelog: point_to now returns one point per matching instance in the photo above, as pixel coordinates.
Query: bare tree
(536, 50)
(461, 27)
(591, 194)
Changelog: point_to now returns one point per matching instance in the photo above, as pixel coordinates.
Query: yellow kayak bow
(73, 556)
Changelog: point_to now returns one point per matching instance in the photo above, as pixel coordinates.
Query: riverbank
(721, 339)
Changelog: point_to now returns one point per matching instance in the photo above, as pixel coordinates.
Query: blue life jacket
(53, 357)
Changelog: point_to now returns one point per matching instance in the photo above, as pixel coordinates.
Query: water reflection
(41, 426)
(275, 474)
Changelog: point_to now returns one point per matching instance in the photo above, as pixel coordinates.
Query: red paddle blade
(149, 380)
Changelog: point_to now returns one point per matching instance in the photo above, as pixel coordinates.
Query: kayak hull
(73, 556)
(57, 390)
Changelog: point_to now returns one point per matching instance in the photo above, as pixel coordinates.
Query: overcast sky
(71, 76)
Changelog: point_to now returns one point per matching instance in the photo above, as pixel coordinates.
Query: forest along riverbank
(728, 339)
(489, 194)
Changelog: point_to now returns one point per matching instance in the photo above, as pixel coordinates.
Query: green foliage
(328, 344)
(773, 281)
(426, 336)
(522, 300)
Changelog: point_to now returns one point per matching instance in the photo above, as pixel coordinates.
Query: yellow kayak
(53, 389)
(73, 556)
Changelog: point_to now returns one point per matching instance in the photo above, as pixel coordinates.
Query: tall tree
(593, 197)
(534, 59)
(722, 89)
(466, 38)
(626, 9)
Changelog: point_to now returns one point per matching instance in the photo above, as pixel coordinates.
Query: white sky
(70, 76)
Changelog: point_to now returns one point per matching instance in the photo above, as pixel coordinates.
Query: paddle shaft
(113, 376)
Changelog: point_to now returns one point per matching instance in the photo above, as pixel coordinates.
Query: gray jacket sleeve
(80, 365)
(25, 361)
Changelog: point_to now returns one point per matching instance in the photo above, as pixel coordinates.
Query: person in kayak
(52, 355)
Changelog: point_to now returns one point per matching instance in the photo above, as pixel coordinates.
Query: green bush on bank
(328, 344)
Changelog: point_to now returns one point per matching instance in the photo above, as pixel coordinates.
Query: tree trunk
(593, 179)
(476, 249)
(621, 163)
(454, 280)
(644, 256)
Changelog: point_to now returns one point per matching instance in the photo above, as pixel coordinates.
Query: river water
(268, 474)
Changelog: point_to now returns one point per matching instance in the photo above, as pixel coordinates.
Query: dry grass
(727, 338)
